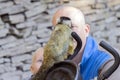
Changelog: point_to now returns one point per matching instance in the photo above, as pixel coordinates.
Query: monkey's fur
(57, 49)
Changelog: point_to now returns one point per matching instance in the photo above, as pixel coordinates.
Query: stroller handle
(78, 47)
(116, 56)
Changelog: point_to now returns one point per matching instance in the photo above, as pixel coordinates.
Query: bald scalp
(73, 13)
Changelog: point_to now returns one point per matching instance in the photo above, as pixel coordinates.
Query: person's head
(78, 21)
(37, 59)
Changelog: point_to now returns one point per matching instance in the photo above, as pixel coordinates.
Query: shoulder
(100, 52)
(102, 56)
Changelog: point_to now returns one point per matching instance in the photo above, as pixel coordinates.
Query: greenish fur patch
(57, 49)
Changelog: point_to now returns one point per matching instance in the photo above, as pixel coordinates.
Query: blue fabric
(92, 60)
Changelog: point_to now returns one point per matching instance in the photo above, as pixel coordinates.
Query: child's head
(36, 60)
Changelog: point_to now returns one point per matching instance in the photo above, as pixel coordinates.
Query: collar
(90, 47)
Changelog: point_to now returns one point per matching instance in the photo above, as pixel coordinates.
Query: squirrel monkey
(57, 49)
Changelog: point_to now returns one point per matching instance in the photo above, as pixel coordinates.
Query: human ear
(31, 69)
(87, 29)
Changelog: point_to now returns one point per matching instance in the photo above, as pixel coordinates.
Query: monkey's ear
(64, 20)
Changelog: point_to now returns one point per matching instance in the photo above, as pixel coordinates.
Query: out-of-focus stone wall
(25, 25)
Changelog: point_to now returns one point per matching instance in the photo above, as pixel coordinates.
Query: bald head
(74, 14)
(78, 25)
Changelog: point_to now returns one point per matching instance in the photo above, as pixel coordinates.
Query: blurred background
(25, 25)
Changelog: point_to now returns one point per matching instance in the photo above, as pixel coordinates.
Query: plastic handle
(78, 47)
(116, 56)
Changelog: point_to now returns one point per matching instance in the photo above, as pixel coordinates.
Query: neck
(78, 57)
